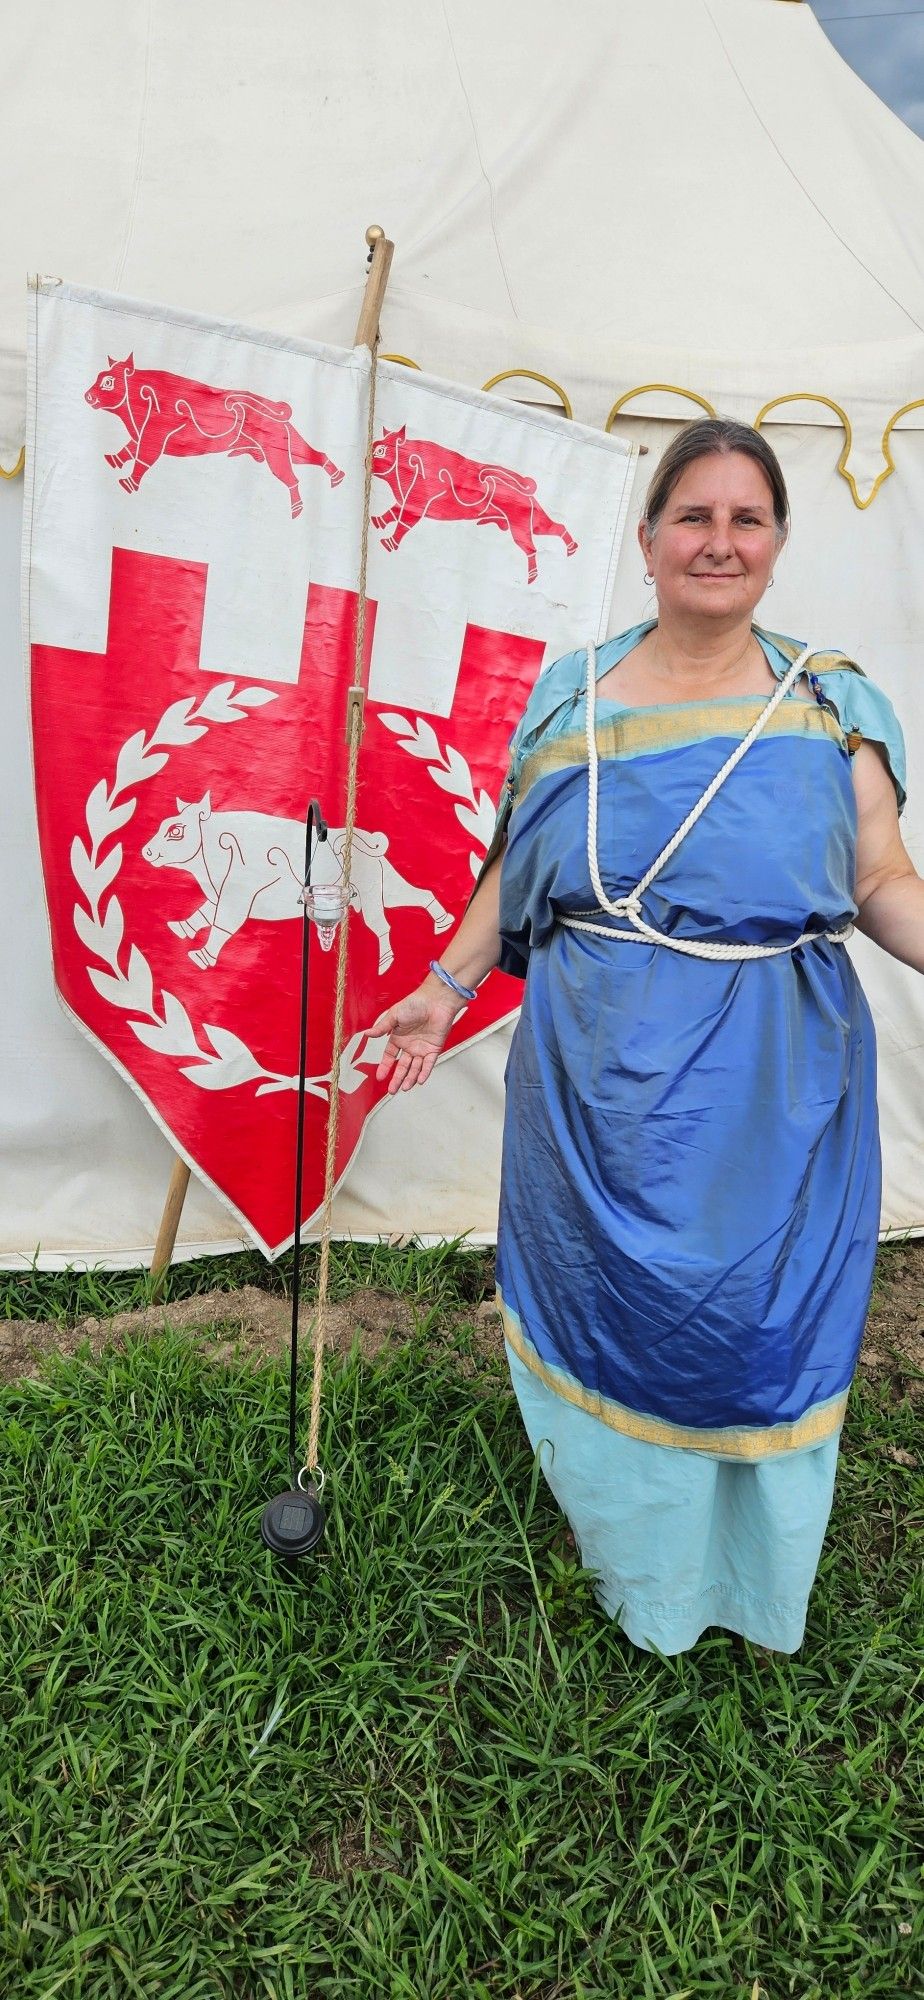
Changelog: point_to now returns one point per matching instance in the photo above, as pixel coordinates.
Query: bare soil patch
(250, 1324)
(893, 1345)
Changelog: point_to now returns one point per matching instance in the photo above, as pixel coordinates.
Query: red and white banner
(192, 536)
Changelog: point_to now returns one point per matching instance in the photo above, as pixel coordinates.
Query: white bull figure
(249, 864)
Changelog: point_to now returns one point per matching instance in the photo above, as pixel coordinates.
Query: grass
(426, 1767)
(443, 1275)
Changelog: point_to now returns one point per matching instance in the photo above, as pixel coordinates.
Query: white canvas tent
(696, 194)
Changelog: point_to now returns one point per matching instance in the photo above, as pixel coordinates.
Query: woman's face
(715, 545)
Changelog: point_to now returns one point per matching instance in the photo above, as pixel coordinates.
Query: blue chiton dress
(691, 1184)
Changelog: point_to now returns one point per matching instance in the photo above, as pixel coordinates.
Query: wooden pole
(367, 325)
(169, 1224)
(381, 252)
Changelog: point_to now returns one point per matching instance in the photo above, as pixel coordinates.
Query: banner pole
(381, 252)
(169, 1224)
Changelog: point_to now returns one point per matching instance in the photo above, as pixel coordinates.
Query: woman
(690, 1190)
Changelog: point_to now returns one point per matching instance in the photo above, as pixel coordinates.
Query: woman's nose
(719, 540)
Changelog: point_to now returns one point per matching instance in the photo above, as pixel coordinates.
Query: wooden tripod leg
(169, 1224)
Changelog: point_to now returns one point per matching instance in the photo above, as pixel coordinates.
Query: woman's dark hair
(701, 439)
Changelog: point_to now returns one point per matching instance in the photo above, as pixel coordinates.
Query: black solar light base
(293, 1523)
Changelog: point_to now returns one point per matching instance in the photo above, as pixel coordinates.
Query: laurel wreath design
(449, 770)
(164, 1026)
(163, 1023)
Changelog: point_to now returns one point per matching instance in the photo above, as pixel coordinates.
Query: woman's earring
(770, 584)
(648, 579)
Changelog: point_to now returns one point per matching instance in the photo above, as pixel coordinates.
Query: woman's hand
(417, 1028)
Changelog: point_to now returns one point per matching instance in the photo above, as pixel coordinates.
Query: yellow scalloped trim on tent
(918, 404)
(531, 375)
(814, 396)
(20, 462)
(404, 359)
(664, 389)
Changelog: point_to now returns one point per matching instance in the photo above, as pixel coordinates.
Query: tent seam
(826, 219)
(492, 192)
(139, 156)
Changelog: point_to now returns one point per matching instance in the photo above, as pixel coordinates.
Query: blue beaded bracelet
(464, 992)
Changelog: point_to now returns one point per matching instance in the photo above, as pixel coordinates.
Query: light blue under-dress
(691, 1184)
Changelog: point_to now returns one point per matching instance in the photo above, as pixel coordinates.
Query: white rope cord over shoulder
(629, 906)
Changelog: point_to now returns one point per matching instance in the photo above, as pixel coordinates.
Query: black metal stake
(293, 1523)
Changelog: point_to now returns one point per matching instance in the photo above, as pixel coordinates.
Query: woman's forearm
(474, 949)
(893, 916)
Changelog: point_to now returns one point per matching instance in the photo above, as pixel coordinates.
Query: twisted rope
(355, 704)
(630, 906)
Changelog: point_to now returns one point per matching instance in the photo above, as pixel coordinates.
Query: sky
(883, 40)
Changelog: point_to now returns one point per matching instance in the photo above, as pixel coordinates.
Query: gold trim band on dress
(814, 1428)
(643, 730)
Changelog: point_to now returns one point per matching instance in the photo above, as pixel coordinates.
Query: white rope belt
(629, 907)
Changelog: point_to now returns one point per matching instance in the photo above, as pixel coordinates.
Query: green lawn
(426, 1769)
